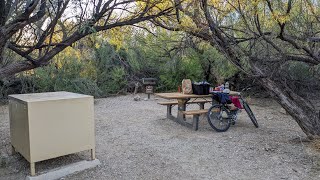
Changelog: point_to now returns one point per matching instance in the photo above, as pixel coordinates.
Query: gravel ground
(134, 140)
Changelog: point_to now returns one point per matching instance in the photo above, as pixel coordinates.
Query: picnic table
(182, 101)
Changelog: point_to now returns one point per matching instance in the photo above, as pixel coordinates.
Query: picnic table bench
(196, 114)
(170, 104)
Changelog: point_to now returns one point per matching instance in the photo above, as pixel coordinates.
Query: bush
(111, 75)
(175, 71)
(65, 75)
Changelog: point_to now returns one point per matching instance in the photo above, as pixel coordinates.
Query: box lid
(47, 96)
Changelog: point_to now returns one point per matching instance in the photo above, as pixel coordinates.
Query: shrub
(67, 74)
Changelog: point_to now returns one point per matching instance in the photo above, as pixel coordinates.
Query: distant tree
(37, 30)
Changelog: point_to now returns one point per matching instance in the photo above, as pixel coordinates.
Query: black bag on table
(200, 88)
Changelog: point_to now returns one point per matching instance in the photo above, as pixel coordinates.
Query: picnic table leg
(195, 122)
(181, 107)
(201, 105)
(169, 114)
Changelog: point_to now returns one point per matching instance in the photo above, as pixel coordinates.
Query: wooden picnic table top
(177, 95)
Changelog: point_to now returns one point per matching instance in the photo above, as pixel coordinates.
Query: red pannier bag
(235, 100)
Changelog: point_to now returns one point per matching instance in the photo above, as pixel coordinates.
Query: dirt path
(135, 141)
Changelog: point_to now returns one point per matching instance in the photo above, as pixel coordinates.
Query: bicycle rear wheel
(250, 114)
(218, 118)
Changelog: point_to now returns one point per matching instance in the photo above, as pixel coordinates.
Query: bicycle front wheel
(250, 114)
(219, 118)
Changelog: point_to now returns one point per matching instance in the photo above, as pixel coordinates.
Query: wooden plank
(195, 112)
(189, 102)
(168, 103)
(180, 95)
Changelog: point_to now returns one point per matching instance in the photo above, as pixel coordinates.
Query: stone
(137, 98)
(283, 111)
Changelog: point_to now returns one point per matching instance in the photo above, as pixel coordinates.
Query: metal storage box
(49, 125)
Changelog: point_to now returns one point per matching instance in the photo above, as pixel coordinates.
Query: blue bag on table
(222, 98)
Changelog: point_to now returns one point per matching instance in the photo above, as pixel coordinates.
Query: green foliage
(172, 57)
(301, 72)
(68, 77)
(187, 67)
(117, 80)
(221, 67)
(110, 74)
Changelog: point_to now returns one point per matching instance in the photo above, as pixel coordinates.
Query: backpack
(186, 86)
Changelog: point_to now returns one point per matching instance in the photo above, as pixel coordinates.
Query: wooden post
(181, 107)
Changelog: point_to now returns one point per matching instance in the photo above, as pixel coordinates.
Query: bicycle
(221, 116)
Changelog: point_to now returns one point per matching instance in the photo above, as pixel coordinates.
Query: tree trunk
(1, 55)
(14, 68)
(2, 45)
(207, 72)
(302, 111)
